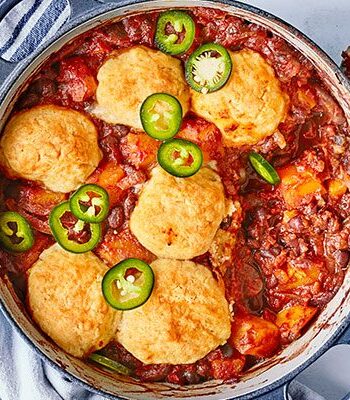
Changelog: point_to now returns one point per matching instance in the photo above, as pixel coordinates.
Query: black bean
(226, 222)
(153, 373)
(129, 204)
(342, 258)
(191, 377)
(227, 350)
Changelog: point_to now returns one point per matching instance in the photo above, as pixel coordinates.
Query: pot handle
(345, 337)
(280, 393)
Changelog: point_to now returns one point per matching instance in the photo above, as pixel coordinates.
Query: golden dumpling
(251, 104)
(52, 145)
(66, 301)
(129, 76)
(178, 217)
(186, 317)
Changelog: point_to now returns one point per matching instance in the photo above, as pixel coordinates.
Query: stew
(281, 256)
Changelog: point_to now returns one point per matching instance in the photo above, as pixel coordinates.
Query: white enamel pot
(267, 380)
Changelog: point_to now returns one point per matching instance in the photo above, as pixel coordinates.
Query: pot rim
(103, 13)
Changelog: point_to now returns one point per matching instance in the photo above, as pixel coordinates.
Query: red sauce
(292, 246)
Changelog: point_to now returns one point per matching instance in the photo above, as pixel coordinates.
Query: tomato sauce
(292, 242)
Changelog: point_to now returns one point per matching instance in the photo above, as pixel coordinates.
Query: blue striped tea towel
(29, 24)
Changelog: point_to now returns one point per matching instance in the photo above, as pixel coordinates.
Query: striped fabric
(29, 24)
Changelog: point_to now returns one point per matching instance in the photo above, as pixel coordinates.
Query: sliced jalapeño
(208, 68)
(110, 364)
(180, 157)
(161, 116)
(16, 235)
(90, 203)
(128, 284)
(264, 168)
(68, 237)
(175, 32)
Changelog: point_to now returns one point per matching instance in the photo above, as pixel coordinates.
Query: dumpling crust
(52, 145)
(251, 104)
(127, 78)
(66, 301)
(186, 317)
(178, 217)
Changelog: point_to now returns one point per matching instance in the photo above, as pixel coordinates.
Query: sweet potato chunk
(140, 149)
(205, 134)
(108, 175)
(228, 368)
(294, 277)
(336, 188)
(306, 98)
(255, 336)
(115, 247)
(293, 319)
(298, 185)
(35, 199)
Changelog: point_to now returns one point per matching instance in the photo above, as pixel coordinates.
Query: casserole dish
(265, 376)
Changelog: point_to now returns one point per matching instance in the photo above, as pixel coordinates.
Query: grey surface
(330, 375)
(327, 22)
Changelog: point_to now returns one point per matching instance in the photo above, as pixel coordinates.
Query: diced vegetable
(208, 68)
(288, 215)
(228, 368)
(175, 32)
(128, 284)
(161, 116)
(295, 277)
(204, 134)
(34, 199)
(293, 319)
(15, 232)
(306, 98)
(108, 175)
(255, 336)
(140, 149)
(180, 157)
(337, 188)
(116, 246)
(298, 185)
(90, 203)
